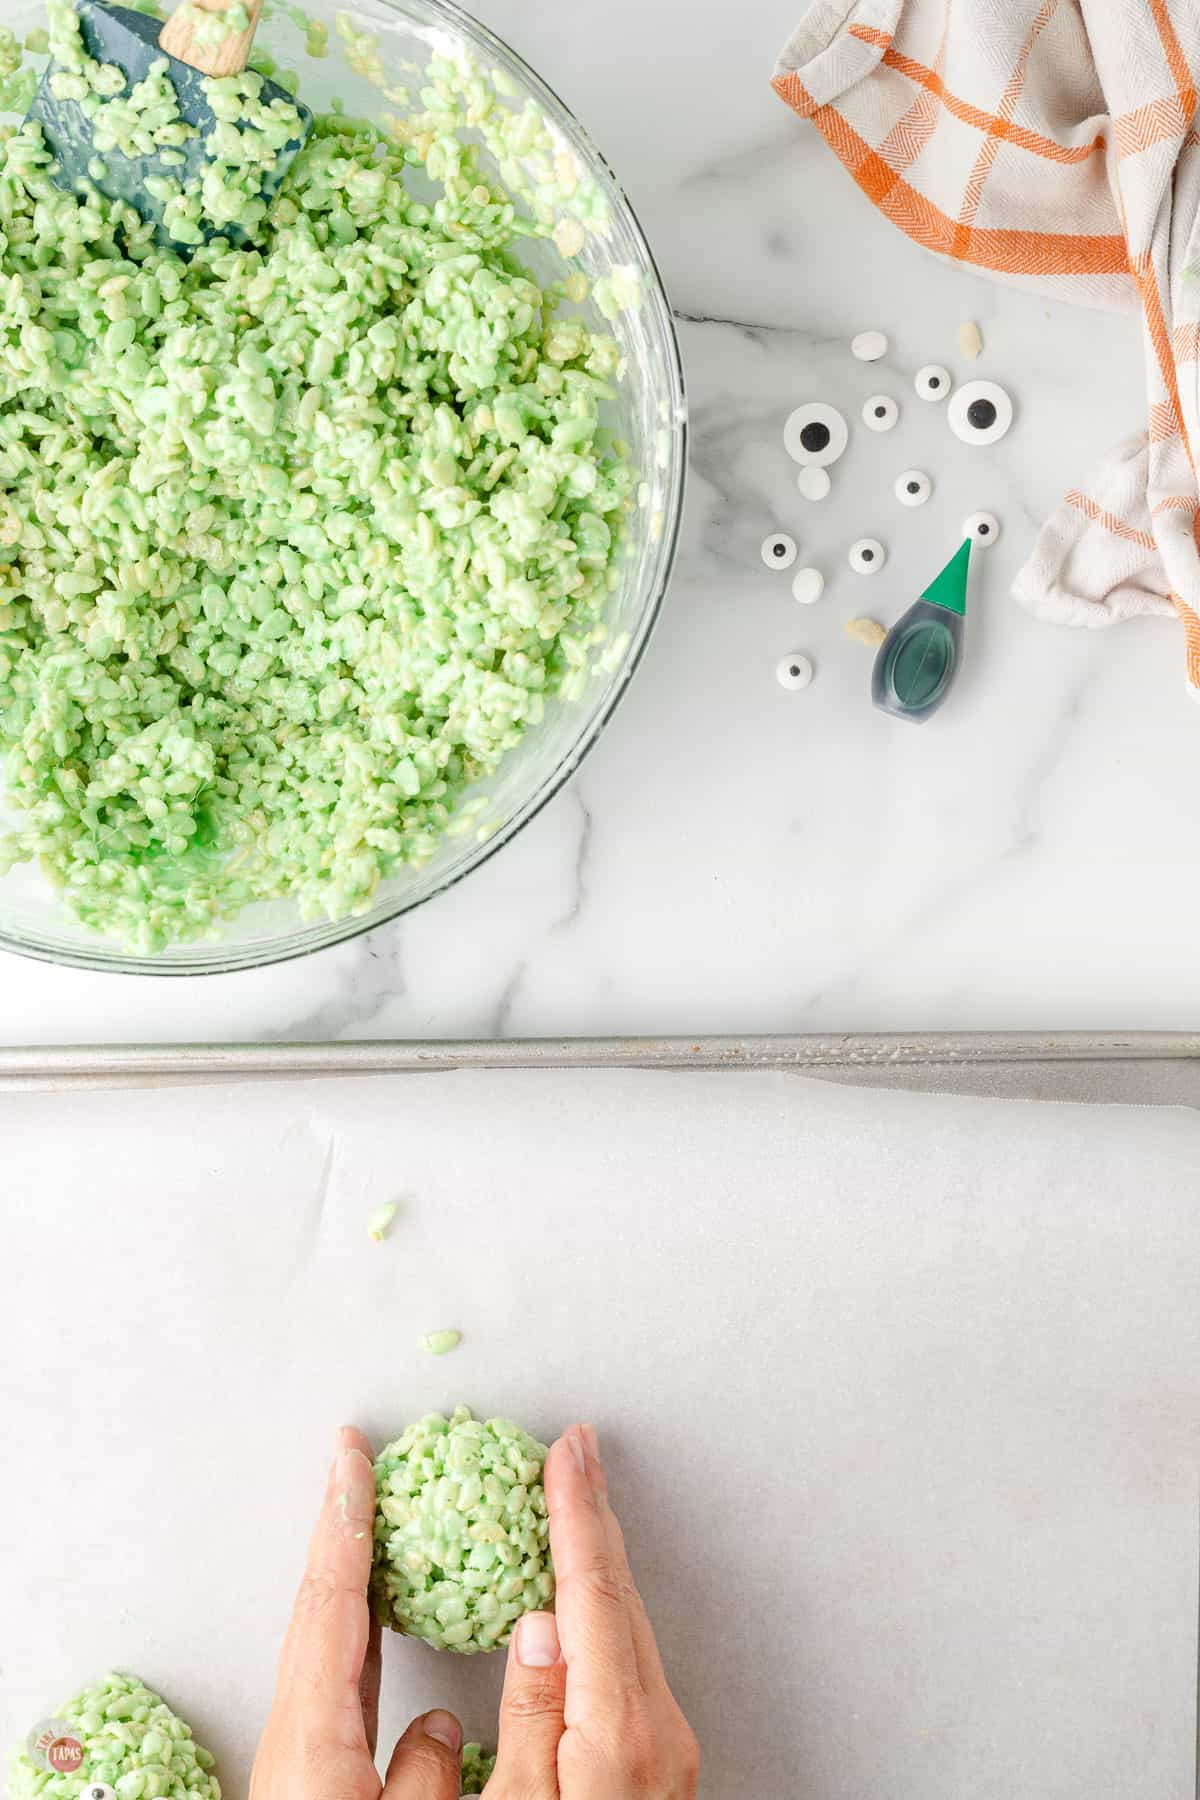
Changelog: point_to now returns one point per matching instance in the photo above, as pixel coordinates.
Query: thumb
(531, 1712)
(427, 1762)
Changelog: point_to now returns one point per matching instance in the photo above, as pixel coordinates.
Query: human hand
(587, 1713)
(319, 1743)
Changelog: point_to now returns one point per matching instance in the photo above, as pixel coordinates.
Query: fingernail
(588, 1434)
(537, 1641)
(578, 1451)
(445, 1729)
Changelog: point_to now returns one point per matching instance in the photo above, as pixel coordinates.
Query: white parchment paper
(900, 1398)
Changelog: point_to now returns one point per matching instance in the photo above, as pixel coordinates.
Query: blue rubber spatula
(134, 43)
(919, 658)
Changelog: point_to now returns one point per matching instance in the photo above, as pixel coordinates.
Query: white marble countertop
(733, 857)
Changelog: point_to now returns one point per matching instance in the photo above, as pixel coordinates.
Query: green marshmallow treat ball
(462, 1537)
(134, 1748)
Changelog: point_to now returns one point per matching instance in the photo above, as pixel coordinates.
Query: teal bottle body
(920, 656)
(917, 662)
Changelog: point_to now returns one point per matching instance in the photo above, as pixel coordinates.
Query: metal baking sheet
(1132, 1068)
(957, 1338)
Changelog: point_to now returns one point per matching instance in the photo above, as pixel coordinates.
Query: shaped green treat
(477, 1767)
(298, 542)
(134, 1748)
(462, 1537)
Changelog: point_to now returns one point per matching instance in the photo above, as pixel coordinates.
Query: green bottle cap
(949, 589)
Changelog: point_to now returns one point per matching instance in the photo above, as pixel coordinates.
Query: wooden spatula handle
(183, 37)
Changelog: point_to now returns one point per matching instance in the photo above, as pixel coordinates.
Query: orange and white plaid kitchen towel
(1051, 143)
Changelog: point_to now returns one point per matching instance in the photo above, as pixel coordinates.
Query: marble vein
(502, 1016)
(373, 980)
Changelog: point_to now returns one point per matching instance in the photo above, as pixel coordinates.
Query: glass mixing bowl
(650, 414)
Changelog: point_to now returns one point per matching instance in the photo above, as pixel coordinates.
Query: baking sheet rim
(1137, 1067)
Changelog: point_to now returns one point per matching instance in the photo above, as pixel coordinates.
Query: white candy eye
(880, 412)
(980, 412)
(982, 528)
(815, 434)
(867, 557)
(779, 551)
(807, 586)
(813, 483)
(933, 382)
(794, 671)
(98, 1791)
(913, 488)
(869, 346)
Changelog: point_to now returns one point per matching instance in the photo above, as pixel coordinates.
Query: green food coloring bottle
(919, 658)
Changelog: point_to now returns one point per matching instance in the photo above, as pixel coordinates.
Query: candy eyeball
(98, 1791)
(880, 412)
(982, 528)
(913, 487)
(869, 346)
(779, 551)
(815, 434)
(933, 382)
(980, 412)
(867, 556)
(794, 671)
(814, 483)
(807, 586)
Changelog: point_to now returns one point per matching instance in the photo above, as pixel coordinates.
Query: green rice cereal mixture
(297, 540)
(462, 1537)
(477, 1767)
(133, 1744)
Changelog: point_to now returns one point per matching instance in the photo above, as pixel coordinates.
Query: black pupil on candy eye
(914, 487)
(981, 414)
(881, 412)
(935, 381)
(779, 549)
(868, 556)
(794, 670)
(983, 530)
(815, 437)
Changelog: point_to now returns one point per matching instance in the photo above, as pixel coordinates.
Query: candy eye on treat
(115, 1740)
(794, 671)
(867, 556)
(814, 483)
(913, 487)
(869, 346)
(779, 550)
(816, 434)
(983, 528)
(932, 382)
(980, 412)
(880, 412)
(807, 586)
